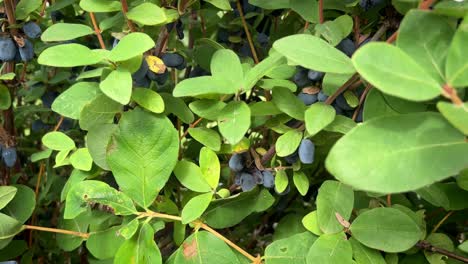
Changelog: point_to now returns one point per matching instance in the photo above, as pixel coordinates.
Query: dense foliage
(210, 131)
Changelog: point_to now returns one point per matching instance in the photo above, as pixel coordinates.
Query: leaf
(330, 248)
(333, 197)
(426, 45)
(434, 195)
(464, 246)
(206, 136)
(264, 108)
(6, 195)
(269, 84)
(130, 46)
(148, 99)
(210, 167)
(281, 181)
(208, 109)
(287, 143)
(204, 248)
(204, 85)
(78, 224)
(58, 141)
(386, 229)
(234, 121)
(70, 102)
(195, 207)
(262, 69)
(424, 142)
(129, 229)
(81, 159)
(140, 249)
(288, 103)
(22, 205)
(65, 31)
(309, 10)
(26, 7)
(383, 65)
(267, 4)
(442, 241)
(5, 98)
(221, 4)
(313, 53)
(190, 175)
(225, 65)
(68, 55)
(455, 195)
(301, 182)
(289, 250)
(318, 116)
(462, 179)
(452, 8)
(365, 255)
(76, 176)
(118, 86)
(310, 222)
(457, 115)
(177, 107)
(45, 154)
(97, 140)
(333, 81)
(88, 192)
(456, 67)
(98, 6)
(99, 111)
(9, 227)
(142, 154)
(104, 244)
(336, 30)
(147, 14)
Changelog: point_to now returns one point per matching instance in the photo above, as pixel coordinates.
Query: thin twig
(97, 30)
(436, 227)
(361, 101)
(130, 24)
(59, 123)
(389, 200)
(321, 19)
(426, 4)
(56, 230)
(341, 89)
(247, 33)
(428, 247)
(450, 93)
(194, 124)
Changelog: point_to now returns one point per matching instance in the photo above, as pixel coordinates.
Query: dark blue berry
(262, 39)
(236, 162)
(347, 47)
(32, 30)
(9, 156)
(38, 125)
(306, 151)
(300, 78)
(160, 78)
(141, 72)
(172, 59)
(291, 159)
(144, 82)
(307, 99)
(268, 179)
(198, 71)
(315, 76)
(7, 49)
(322, 97)
(247, 182)
(342, 103)
(48, 98)
(27, 51)
(56, 16)
(223, 36)
(258, 176)
(369, 4)
(170, 26)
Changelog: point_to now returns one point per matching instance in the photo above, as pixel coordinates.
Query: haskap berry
(7, 49)
(32, 30)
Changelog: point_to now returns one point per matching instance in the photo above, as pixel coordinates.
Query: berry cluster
(248, 178)
(22, 49)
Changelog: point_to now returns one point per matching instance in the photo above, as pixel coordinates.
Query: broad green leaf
(309, 10)
(287, 143)
(129, 229)
(234, 121)
(365, 255)
(301, 182)
(206, 136)
(269, 84)
(457, 9)
(140, 249)
(442, 241)
(376, 105)
(61, 159)
(462, 179)
(90, 74)
(87, 192)
(9, 227)
(177, 107)
(142, 154)
(264, 108)
(79, 224)
(22, 205)
(313, 53)
(5, 98)
(289, 250)
(281, 181)
(190, 175)
(104, 244)
(70, 102)
(456, 67)
(204, 248)
(130, 46)
(81, 159)
(330, 249)
(147, 14)
(457, 115)
(281, 71)
(68, 55)
(118, 86)
(464, 246)
(97, 139)
(99, 6)
(333, 197)
(424, 142)
(456, 195)
(318, 116)
(204, 85)
(195, 207)
(7, 76)
(26, 7)
(267, 4)
(99, 111)
(384, 65)
(310, 222)
(333, 81)
(225, 65)
(45, 154)
(148, 99)
(262, 69)
(221, 4)
(58, 141)
(288, 226)
(336, 30)
(65, 31)
(210, 167)
(288, 103)
(76, 176)
(426, 45)
(434, 195)
(6, 195)
(208, 109)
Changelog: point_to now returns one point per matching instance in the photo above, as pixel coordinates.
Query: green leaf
(204, 248)
(210, 167)
(288, 103)
(424, 142)
(309, 10)
(70, 102)
(365, 255)
(330, 249)
(318, 116)
(289, 250)
(87, 192)
(336, 30)
(81, 159)
(455, 195)
(26, 7)
(234, 121)
(177, 107)
(61, 159)
(97, 139)
(76, 176)
(98, 6)
(434, 195)
(68, 55)
(65, 31)
(310, 222)
(301, 182)
(6, 195)
(129, 229)
(426, 45)
(281, 181)
(386, 229)
(5, 98)
(204, 85)
(457, 115)
(130, 46)
(442, 241)
(22, 205)
(118, 86)
(376, 105)
(78, 224)
(269, 84)
(287, 143)
(195, 207)
(148, 99)
(452, 8)
(147, 14)
(383, 65)
(462, 179)
(333, 81)
(264, 108)
(58, 141)
(9, 227)
(267, 4)
(221, 4)
(190, 175)
(333, 197)
(142, 154)
(464, 246)
(99, 111)
(225, 65)
(313, 53)
(104, 244)
(262, 69)
(456, 67)
(208, 109)
(45, 154)
(140, 249)
(206, 136)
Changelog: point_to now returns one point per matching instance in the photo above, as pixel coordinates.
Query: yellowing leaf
(155, 64)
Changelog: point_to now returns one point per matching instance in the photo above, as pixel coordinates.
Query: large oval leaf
(6, 195)
(68, 55)
(65, 31)
(142, 154)
(70, 102)
(118, 86)
(394, 72)
(130, 46)
(234, 121)
(331, 249)
(333, 197)
(147, 14)
(456, 67)
(389, 145)
(204, 85)
(286, 250)
(140, 249)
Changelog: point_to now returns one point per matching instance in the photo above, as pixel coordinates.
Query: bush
(254, 131)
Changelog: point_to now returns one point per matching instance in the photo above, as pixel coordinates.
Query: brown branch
(130, 24)
(56, 230)
(194, 124)
(361, 101)
(450, 93)
(97, 30)
(441, 222)
(321, 19)
(341, 89)
(247, 33)
(428, 247)
(426, 4)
